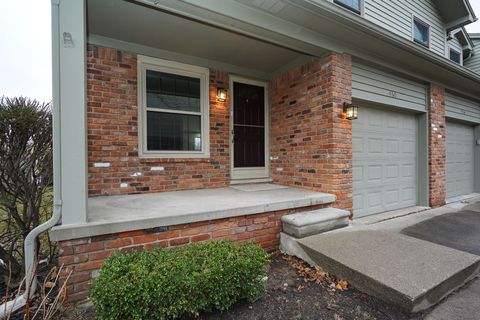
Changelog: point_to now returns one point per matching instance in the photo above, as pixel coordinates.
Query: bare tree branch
(26, 172)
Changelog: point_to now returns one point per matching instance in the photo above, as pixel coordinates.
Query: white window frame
(429, 27)
(145, 63)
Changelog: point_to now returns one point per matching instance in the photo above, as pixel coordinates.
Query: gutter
(470, 10)
(30, 246)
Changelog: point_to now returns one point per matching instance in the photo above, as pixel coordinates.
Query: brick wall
(83, 257)
(309, 134)
(113, 133)
(436, 146)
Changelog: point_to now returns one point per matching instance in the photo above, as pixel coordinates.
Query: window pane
(455, 56)
(420, 33)
(173, 92)
(171, 131)
(350, 4)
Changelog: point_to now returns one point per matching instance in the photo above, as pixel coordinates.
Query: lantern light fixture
(351, 111)
(221, 94)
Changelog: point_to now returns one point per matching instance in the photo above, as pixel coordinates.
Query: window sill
(186, 156)
(147, 158)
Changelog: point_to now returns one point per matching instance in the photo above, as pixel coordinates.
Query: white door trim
(250, 173)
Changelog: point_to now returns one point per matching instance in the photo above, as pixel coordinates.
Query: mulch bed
(296, 291)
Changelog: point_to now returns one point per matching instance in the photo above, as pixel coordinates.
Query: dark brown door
(248, 125)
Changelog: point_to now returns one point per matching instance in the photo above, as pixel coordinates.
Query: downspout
(30, 245)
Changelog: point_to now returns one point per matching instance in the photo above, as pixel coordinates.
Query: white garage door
(384, 161)
(460, 163)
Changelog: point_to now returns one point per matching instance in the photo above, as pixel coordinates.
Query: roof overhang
(456, 13)
(314, 26)
(464, 39)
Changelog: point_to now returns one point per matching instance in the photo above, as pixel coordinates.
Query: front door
(249, 129)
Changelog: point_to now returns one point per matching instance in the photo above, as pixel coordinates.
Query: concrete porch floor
(112, 214)
(413, 261)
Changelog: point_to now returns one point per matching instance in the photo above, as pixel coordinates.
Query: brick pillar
(436, 146)
(311, 141)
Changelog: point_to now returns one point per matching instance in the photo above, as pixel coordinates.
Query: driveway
(459, 230)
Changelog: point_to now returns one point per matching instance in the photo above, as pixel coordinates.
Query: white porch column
(69, 103)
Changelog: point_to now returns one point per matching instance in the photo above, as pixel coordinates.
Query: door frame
(252, 172)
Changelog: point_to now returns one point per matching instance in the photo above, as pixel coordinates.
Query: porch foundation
(83, 257)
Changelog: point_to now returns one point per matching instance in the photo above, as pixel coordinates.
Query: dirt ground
(290, 296)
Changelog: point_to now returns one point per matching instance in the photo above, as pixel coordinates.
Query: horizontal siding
(460, 108)
(474, 62)
(396, 16)
(371, 84)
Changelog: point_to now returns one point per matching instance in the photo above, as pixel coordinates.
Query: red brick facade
(311, 141)
(83, 257)
(310, 144)
(113, 133)
(436, 146)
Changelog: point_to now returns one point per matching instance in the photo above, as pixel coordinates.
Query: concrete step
(304, 224)
(411, 273)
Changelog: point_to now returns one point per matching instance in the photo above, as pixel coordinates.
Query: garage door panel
(408, 170)
(460, 159)
(384, 161)
(375, 145)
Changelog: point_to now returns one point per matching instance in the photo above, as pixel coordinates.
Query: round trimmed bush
(174, 283)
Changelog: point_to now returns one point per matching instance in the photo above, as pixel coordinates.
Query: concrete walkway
(413, 261)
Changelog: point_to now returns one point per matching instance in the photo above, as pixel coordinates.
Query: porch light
(221, 94)
(351, 111)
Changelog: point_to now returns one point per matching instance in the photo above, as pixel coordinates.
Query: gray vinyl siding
(372, 84)
(460, 108)
(396, 16)
(473, 63)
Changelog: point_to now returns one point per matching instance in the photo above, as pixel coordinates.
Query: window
(421, 32)
(353, 5)
(173, 109)
(455, 56)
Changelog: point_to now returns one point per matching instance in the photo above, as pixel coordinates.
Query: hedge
(182, 282)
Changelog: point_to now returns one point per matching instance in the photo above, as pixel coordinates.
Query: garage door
(384, 161)
(460, 163)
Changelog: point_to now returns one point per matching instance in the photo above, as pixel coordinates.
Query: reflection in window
(353, 5)
(455, 56)
(421, 32)
(170, 131)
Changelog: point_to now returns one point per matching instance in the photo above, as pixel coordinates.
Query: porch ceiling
(138, 24)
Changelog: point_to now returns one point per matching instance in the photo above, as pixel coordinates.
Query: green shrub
(169, 284)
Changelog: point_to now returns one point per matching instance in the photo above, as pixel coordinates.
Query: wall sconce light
(351, 111)
(221, 94)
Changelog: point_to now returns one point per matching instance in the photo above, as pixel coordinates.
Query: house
(189, 120)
